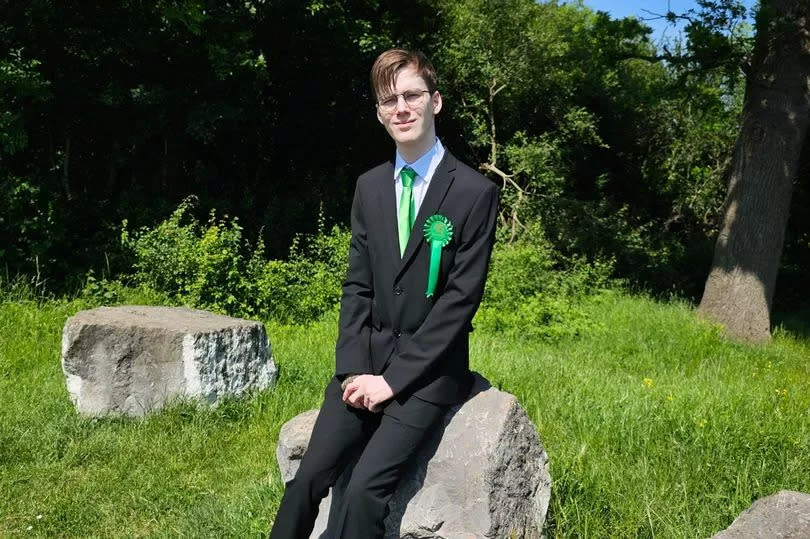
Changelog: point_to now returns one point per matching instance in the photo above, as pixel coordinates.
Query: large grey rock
(134, 359)
(484, 474)
(784, 515)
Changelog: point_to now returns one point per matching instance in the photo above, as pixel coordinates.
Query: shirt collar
(421, 166)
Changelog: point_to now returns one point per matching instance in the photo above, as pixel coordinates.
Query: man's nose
(402, 106)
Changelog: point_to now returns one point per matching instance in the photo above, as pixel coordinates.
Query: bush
(201, 266)
(533, 291)
(308, 284)
(212, 267)
(96, 292)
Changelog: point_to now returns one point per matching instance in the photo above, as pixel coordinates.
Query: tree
(527, 82)
(740, 288)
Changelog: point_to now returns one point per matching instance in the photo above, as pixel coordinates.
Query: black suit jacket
(387, 325)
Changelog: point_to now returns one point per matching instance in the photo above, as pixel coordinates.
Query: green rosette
(438, 233)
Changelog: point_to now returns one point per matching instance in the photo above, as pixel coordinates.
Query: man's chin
(408, 140)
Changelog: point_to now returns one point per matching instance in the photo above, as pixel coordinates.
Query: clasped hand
(367, 391)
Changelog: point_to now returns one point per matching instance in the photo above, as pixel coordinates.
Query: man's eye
(389, 102)
(410, 96)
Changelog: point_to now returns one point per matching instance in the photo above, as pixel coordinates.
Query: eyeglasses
(412, 98)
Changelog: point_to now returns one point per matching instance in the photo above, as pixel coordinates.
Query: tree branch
(521, 194)
(507, 178)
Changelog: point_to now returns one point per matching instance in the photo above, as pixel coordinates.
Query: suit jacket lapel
(387, 207)
(439, 184)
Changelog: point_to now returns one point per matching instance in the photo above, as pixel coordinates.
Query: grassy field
(655, 427)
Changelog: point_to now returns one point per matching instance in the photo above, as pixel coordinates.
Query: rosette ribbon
(438, 233)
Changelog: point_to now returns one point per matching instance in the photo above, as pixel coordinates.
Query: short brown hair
(385, 68)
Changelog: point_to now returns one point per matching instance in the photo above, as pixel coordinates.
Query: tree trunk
(739, 289)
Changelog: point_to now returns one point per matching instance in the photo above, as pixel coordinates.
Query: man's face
(410, 125)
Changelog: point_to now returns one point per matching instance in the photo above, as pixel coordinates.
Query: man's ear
(437, 102)
(379, 116)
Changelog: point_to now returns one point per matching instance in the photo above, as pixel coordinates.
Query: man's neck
(412, 152)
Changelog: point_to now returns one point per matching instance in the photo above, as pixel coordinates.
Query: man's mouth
(406, 122)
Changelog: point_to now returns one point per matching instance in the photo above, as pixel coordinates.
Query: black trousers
(387, 440)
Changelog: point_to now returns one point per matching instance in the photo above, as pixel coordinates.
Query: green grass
(715, 426)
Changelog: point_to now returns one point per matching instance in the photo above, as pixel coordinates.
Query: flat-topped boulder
(784, 515)
(133, 359)
(484, 473)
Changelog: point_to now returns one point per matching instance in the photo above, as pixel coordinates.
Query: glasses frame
(388, 110)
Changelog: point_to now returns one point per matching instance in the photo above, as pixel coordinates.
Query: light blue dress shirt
(424, 167)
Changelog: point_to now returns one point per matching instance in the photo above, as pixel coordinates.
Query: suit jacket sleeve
(354, 325)
(456, 306)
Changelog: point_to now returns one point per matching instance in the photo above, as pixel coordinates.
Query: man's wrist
(394, 391)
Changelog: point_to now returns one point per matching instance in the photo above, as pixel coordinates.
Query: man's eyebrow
(405, 92)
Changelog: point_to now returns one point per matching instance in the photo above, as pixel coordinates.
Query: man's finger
(375, 406)
(351, 388)
(353, 403)
(356, 397)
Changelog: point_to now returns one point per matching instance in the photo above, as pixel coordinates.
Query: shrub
(532, 291)
(212, 267)
(201, 266)
(308, 284)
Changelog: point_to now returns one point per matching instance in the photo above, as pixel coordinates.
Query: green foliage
(22, 290)
(201, 265)
(698, 138)
(97, 292)
(307, 284)
(615, 155)
(718, 38)
(513, 100)
(210, 266)
(20, 84)
(26, 221)
(619, 154)
(533, 292)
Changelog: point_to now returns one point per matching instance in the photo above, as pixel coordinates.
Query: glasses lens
(414, 98)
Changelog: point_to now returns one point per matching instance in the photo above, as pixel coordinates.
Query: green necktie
(407, 215)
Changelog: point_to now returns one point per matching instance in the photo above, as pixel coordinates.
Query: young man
(402, 351)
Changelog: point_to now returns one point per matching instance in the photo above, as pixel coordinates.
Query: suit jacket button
(397, 333)
(398, 291)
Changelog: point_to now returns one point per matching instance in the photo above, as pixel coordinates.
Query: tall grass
(655, 426)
